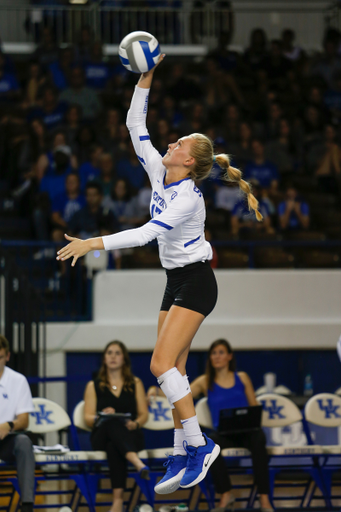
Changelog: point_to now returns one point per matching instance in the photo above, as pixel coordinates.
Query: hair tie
(214, 158)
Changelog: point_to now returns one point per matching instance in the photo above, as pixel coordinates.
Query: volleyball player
(178, 219)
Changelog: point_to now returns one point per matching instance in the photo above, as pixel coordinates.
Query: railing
(173, 23)
(65, 292)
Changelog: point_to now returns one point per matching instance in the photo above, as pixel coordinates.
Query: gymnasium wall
(256, 311)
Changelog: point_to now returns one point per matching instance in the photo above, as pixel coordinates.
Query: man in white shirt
(15, 406)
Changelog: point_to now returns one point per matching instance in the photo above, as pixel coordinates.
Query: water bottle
(308, 386)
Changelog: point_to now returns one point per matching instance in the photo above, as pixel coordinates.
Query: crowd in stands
(67, 163)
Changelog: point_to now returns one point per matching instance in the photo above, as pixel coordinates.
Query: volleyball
(139, 51)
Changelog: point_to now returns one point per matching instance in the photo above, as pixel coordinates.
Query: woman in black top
(117, 390)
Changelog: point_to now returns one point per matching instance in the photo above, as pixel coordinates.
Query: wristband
(11, 425)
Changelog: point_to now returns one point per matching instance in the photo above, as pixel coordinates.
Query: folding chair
(324, 410)
(231, 454)
(279, 411)
(51, 417)
(279, 390)
(99, 458)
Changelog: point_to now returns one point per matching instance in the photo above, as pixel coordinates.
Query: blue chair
(324, 410)
(279, 412)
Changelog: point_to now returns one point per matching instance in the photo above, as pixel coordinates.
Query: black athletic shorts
(193, 287)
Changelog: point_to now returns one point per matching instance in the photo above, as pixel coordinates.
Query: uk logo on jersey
(273, 410)
(5, 396)
(328, 408)
(159, 412)
(42, 415)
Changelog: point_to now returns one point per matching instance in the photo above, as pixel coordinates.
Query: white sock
(193, 432)
(179, 438)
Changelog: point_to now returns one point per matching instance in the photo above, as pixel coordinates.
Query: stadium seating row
(87, 468)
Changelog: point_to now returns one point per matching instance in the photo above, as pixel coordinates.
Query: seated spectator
(257, 50)
(85, 138)
(273, 121)
(93, 219)
(9, 86)
(79, 94)
(227, 388)
(52, 112)
(60, 70)
(260, 169)
(312, 126)
(242, 149)
(131, 169)
(51, 162)
(117, 390)
(47, 50)
(244, 221)
(33, 147)
(169, 112)
(162, 139)
(64, 205)
(183, 86)
(107, 176)
(35, 84)
(283, 151)
(109, 133)
(329, 62)
(332, 99)
(328, 160)
(83, 47)
(15, 407)
(123, 206)
(196, 122)
(97, 72)
(290, 51)
(226, 198)
(72, 126)
(276, 67)
(231, 122)
(91, 170)
(293, 213)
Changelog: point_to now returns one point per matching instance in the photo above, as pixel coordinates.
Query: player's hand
(131, 425)
(75, 249)
(151, 71)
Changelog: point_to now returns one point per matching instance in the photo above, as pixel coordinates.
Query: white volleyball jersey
(177, 210)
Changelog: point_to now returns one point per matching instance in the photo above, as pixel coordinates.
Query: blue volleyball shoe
(176, 467)
(200, 459)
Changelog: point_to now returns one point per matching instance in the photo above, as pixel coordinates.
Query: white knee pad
(174, 385)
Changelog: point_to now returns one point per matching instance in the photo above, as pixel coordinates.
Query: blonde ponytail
(235, 175)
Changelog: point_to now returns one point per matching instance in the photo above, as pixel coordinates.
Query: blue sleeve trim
(191, 241)
(162, 224)
(144, 137)
(141, 159)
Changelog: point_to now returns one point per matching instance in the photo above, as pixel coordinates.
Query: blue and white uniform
(177, 210)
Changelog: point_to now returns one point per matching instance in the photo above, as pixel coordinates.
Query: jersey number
(155, 211)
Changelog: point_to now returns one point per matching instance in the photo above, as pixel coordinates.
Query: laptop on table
(239, 420)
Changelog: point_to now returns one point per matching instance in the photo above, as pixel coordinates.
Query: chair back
(279, 390)
(278, 411)
(78, 417)
(203, 413)
(47, 417)
(324, 410)
(160, 415)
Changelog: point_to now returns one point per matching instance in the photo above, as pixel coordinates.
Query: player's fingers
(75, 258)
(68, 237)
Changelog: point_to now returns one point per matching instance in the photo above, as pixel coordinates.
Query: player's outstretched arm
(146, 79)
(78, 248)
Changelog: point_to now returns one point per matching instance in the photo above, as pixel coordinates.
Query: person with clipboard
(116, 408)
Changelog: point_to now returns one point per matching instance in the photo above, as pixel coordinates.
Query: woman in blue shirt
(226, 388)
